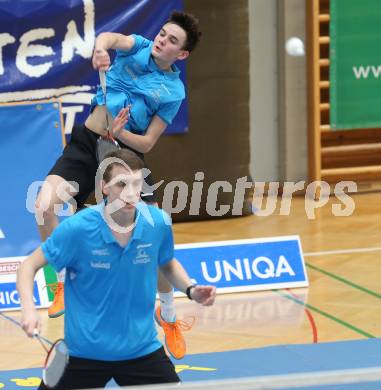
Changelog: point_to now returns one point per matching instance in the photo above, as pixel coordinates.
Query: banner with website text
(46, 48)
(355, 64)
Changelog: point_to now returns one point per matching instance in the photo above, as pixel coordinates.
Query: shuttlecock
(295, 47)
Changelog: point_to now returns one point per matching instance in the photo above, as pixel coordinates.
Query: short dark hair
(131, 159)
(189, 24)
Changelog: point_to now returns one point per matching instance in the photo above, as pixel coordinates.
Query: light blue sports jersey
(110, 291)
(134, 78)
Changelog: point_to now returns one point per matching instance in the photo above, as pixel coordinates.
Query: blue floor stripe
(277, 360)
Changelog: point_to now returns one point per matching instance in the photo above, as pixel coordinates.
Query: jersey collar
(153, 67)
(107, 235)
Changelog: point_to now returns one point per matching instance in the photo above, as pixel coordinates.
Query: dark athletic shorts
(90, 374)
(79, 163)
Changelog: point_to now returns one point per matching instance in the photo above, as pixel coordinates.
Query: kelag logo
(246, 265)
(9, 297)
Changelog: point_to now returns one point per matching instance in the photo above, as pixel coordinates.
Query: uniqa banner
(245, 265)
(46, 48)
(355, 64)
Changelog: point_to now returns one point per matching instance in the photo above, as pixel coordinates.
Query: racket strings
(105, 146)
(55, 364)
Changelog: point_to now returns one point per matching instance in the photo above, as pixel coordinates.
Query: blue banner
(31, 142)
(245, 265)
(46, 48)
(9, 296)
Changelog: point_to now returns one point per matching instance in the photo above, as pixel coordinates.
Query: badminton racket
(57, 356)
(105, 143)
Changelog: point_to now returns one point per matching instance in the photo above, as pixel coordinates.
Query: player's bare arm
(177, 276)
(141, 143)
(25, 278)
(104, 42)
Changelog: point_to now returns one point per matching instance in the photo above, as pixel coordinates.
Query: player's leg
(150, 369)
(54, 192)
(165, 314)
(71, 179)
(167, 304)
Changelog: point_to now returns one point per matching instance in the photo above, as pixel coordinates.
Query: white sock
(167, 306)
(61, 275)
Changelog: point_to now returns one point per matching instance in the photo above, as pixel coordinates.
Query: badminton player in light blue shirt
(143, 95)
(136, 81)
(111, 253)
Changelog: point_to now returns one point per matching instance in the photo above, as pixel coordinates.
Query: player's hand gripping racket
(57, 356)
(105, 143)
(56, 360)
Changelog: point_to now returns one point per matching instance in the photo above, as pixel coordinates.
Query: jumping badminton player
(143, 86)
(111, 283)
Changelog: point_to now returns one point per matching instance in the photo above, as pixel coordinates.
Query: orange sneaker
(174, 340)
(57, 308)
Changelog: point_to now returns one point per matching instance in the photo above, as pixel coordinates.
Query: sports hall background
(247, 99)
(255, 111)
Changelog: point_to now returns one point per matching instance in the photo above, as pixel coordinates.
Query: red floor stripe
(310, 319)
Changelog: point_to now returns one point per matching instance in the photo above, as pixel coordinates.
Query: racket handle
(36, 333)
(102, 79)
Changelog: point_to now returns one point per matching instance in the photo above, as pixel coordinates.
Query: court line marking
(310, 318)
(341, 279)
(343, 251)
(327, 315)
(345, 281)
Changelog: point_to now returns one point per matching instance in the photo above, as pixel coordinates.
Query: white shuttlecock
(295, 47)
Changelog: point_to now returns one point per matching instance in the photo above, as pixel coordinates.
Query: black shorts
(79, 163)
(90, 374)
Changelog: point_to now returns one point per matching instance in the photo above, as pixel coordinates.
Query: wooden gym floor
(343, 301)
